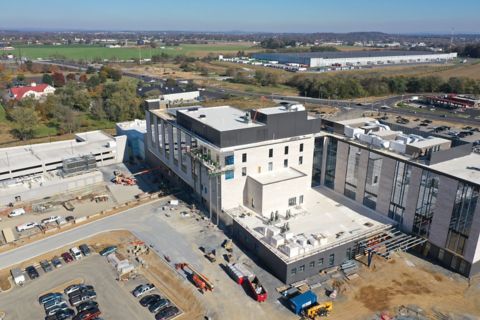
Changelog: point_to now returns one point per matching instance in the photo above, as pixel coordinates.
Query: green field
(89, 53)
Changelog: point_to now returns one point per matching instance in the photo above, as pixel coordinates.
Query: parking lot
(114, 298)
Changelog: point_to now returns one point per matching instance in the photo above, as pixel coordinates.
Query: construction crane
(200, 281)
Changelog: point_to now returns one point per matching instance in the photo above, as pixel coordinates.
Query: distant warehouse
(355, 58)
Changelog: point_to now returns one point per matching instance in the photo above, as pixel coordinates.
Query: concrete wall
(275, 195)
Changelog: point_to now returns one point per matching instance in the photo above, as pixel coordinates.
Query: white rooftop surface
(282, 109)
(460, 167)
(138, 125)
(30, 155)
(325, 213)
(357, 121)
(277, 176)
(224, 118)
(429, 142)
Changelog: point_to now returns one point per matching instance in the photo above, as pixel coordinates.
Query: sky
(391, 16)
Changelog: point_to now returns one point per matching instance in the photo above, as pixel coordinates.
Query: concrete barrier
(50, 230)
(94, 215)
(81, 219)
(65, 225)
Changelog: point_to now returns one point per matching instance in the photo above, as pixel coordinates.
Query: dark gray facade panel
(473, 243)
(474, 269)
(412, 197)
(447, 189)
(385, 185)
(341, 166)
(362, 175)
(452, 153)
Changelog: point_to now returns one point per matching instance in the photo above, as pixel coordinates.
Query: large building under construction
(305, 194)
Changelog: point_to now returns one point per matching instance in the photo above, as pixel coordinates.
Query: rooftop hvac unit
(79, 164)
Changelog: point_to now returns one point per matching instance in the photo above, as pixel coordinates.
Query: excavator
(200, 281)
(319, 310)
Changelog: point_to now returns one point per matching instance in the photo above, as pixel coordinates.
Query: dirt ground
(407, 281)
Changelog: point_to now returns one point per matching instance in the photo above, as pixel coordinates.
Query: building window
(285, 163)
(372, 180)
(301, 268)
(312, 264)
(348, 254)
(244, 157)
(462, 216)
(331, 259)
(292, 201)
(270, 166)
(229, 174)
(259, 169)
(352, 172)
(320, 262)
(301, 147)
(229, 160)
(293, 271)
(244, 171)
(270, 153)
(300, 199)
(286, 149)
(426, 204)
(398, 199)
(317, 162)
(331, 163)
(300, 160)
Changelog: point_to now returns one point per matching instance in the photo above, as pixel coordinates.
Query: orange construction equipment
(200, 281)
(121, 178)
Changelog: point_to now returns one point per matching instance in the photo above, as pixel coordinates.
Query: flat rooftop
(463, 168)
(30, 155)
(351, 54)
(432, 141)
(270, 177)
(224, 118)
(326, 214)
(137, 125)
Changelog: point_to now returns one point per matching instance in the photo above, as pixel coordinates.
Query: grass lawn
(3, 114)
(91, 52)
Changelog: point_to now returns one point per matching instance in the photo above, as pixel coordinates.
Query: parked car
(85, 249)
(159, 305)
(87, 314)
(76, 287)
(87, 305)
(67, 257)
(56, 262)
(76, 253)
(69, 218)
(167, 313)
(46, 266)
(61, 314)
(26, 226)
(81, 290)
(49, 296)
(108, 250)
(57, 309)
(54, 303)
(142, 289)
(32, 272)
(50, 219)
(17, 212)
(148, 300)
(86, 296)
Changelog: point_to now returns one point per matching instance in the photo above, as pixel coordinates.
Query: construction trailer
(298, 303)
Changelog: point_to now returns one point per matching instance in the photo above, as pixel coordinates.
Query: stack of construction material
(239, 272)
(349, 267)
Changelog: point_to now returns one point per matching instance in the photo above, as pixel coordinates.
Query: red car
(67, 257)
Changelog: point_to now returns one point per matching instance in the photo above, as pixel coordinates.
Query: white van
(76, 253)
(17, 212)
(26, 226)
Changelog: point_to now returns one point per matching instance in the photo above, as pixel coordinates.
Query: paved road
(146, 222)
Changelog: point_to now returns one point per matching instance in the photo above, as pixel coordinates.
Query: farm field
(88, 52)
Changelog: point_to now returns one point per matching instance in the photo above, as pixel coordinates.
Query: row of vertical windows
(426, 204)
(398, 199)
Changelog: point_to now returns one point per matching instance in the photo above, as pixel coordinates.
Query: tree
(171, 82)
(58, 79)
(20, 77)
(121, 102)
(25, 121)
(71, 77)
(97, 110)
(115, 74)
(93, 81)
(46, 78)
(90, 70)
(66, 119)
(83, 78)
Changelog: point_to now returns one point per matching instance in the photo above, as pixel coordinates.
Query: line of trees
(469, 50)
(352, 87)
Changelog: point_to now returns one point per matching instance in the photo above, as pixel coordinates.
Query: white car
(26, 226)
(50, 219)
(17, 212)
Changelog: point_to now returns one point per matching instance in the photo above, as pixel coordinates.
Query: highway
(146, 222)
